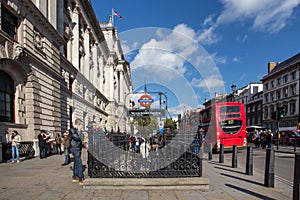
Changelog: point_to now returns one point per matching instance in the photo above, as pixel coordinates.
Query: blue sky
(239, 37)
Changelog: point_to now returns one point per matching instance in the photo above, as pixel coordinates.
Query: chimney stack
(271, 66)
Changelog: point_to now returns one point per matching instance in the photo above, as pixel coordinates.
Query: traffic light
(274, 115)
(280, 112)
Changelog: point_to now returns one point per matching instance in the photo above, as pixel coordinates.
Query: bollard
(296, 187)
(221, 157)
(210, 152)
(234, 156)
(1, 157)
(270, 168)
(249, 161)
(295, 144)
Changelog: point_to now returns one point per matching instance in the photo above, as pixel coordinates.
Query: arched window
(6, 98)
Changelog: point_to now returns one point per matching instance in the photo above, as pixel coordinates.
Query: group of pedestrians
(263, 139)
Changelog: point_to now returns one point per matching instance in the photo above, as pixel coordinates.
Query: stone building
(58, 64)
(281, 89)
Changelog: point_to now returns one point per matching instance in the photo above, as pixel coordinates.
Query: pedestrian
(15, 139)
(76, 144)
(42, 138)
(256, 139)
(269, 138)
(58, 142)
(66, 143)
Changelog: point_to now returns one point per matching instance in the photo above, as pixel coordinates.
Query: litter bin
(1, 157)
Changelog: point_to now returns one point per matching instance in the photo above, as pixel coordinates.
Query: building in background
(58, 64)
(281, 89)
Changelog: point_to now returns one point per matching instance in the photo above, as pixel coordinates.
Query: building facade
(281, 89)
(58, 64)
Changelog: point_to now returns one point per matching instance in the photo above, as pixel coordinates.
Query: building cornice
(43, 22)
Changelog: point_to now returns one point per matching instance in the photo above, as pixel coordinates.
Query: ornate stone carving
(18, 51)
(38, 40)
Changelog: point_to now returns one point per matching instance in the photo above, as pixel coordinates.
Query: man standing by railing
(76, 144)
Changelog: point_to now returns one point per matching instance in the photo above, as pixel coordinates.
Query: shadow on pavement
(260, 196)
(242, 179)
(230, 170)
(220, 164)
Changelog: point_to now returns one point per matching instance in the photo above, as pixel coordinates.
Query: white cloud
(212, 82)
(179, 109)
(235, 59)
(168, 51)
(208, 36)
(267, 15)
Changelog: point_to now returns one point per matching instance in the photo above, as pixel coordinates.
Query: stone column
(94, 71)
(76, 37)
(121, 86)
(86, 65)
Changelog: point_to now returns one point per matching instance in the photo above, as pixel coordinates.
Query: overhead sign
(147, 113)
(145, 100)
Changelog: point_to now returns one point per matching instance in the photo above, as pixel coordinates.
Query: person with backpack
(76, 144)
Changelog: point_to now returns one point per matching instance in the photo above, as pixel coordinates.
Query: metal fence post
(249, 161)
(1, 157)
(210, 152)
(296, 187)
(234, 156)
(270, 168)
(200, 164)
(221, 156)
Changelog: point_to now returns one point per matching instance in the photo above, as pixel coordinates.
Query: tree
(168, 123)
(146, 125)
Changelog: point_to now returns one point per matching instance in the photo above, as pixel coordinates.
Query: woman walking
(15, 139)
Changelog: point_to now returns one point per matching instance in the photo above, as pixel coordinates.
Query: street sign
(145, 100)
(147, 113)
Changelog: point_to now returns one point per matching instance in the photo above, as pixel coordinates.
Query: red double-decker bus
(223, 123)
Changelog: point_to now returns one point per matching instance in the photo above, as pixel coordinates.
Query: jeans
(67, 156)
(77, 168)
(15, 150)
(42, 152)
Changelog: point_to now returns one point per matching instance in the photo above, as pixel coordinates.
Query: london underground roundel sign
(145, 100)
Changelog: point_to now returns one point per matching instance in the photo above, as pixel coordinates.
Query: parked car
(287, 137)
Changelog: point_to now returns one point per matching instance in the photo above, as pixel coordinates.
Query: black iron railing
(122, 155)
(25, 150)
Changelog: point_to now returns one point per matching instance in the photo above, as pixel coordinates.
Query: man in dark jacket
(42, 137)
(76, 144)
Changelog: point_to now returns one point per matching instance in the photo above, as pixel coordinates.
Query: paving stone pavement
(48, 179)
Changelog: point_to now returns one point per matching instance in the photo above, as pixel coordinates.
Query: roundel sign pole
(145, 100)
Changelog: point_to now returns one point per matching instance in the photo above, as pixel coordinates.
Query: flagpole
(112, 16)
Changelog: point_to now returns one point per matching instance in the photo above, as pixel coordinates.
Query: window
(272, 96)
(278, 94)
(292, 108)
(255, 89)
(293, 90)
(278, 81)
(267, 86)
(9, 23)
(285, 78)
(286, 92)
(6, 98)
(272, 84)
(266, 113)
(293, 75)
(267, 98)
(258, 107)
